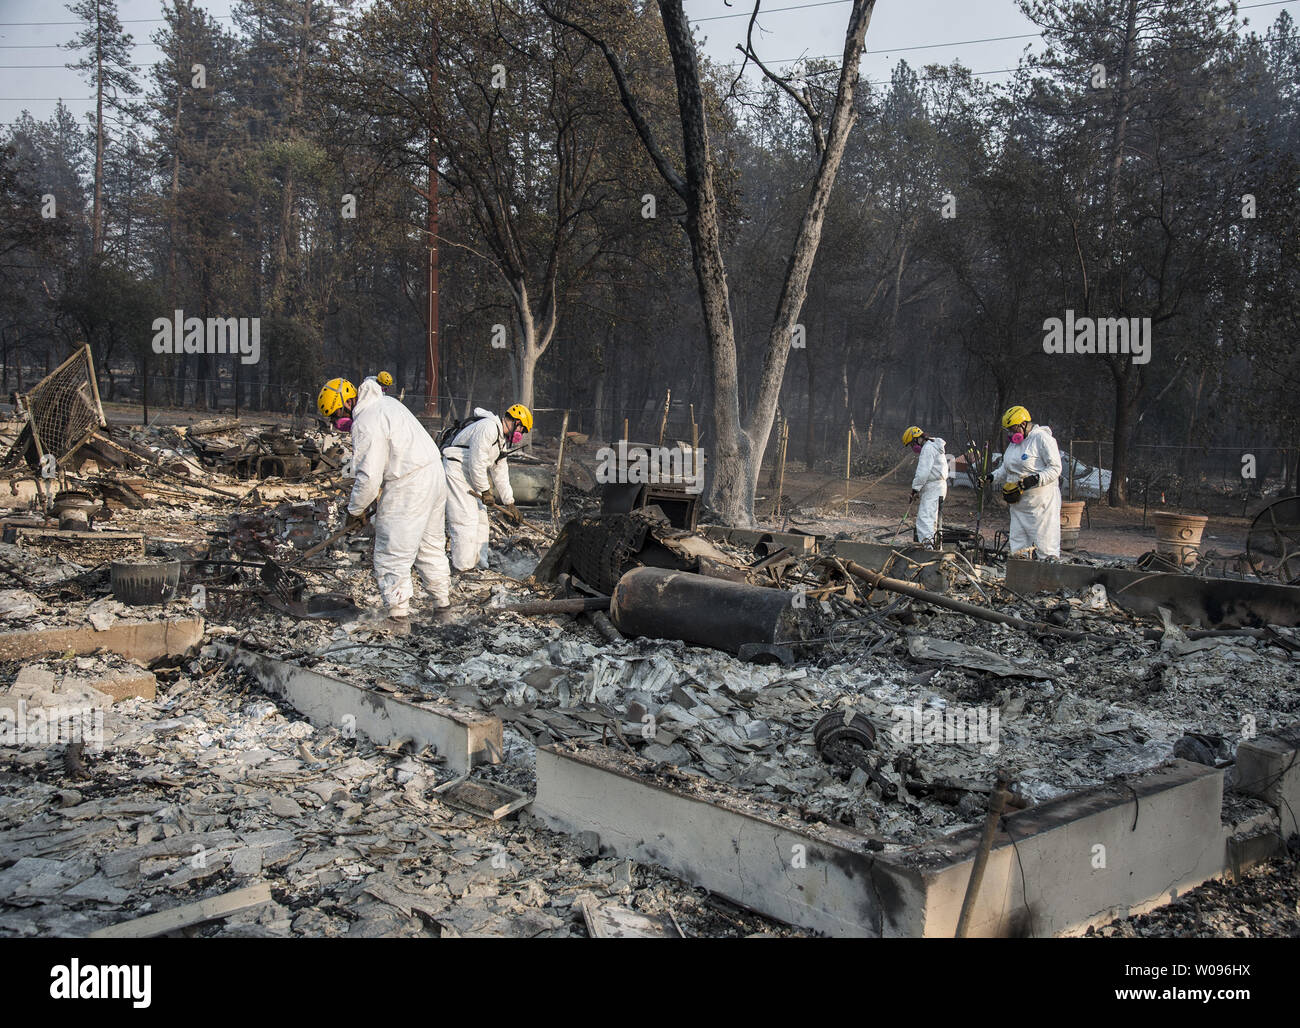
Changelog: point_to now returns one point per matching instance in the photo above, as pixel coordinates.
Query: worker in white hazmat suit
(1029, 476)
(395, 461)
(929, 484)
(475, 462)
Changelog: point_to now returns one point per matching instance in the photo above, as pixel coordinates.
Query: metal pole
(780, 473)
(1099, 474)
(559, 467)
(996, 802)
(848, 459)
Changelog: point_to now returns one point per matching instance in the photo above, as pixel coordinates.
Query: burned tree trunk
(738, 443)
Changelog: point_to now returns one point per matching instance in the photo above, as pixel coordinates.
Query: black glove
(914, 495)
(512, 512)
(355, 522)
(1029, 481)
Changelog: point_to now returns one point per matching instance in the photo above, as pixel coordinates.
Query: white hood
(369, 392)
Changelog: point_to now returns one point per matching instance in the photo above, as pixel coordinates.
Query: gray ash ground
(353, 842)
(1263, 904)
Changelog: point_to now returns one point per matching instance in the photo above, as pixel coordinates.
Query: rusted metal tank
(706, 611)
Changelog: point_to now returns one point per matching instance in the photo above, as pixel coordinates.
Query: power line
(833, 3)
(961, 42)
(55, 46)
(124, 21)
(713, 17)
(87, 99)
(774, 10)
(719, 17)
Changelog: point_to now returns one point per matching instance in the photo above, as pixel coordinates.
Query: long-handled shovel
(517, 519)
(286, 583)
(903, 520)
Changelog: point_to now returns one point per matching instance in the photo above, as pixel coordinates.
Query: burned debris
(869, 693)
(188, 606)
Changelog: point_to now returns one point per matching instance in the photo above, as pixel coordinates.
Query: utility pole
(97, 217)
(431, 377)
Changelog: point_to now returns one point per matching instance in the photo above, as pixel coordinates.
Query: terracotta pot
(1179, 535)
(1071, 521)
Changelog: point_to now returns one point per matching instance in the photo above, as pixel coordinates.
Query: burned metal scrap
(600, 549)
(299, 525)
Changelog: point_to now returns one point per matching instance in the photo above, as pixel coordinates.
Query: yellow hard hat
(912, 435)
(1015, 416)
(384, 379)
(523, 415)
(334, 396)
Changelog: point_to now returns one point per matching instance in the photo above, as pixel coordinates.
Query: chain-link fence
(1223, 480)
(1214, 479)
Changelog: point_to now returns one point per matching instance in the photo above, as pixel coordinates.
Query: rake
(286, 583)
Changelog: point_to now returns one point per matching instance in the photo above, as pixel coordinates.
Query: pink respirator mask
(1017, 438)
(343, 424)
(517, 437)
(916, 447)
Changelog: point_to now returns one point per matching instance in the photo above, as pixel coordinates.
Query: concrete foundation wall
(875, 555)
(1082, 859)
(1208, 602)
(828, 880)
(798, 543)
(1269, 767)
(147, 641)
(463, 735)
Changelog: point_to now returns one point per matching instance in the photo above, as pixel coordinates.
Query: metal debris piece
(1203, 602)
(492, 800)
(843, 728)
(84, 547)
(601, 549)
(948, 652)
(63, 412)
(612, 921)
(74, 509)
(1273, 542)
(325, 606)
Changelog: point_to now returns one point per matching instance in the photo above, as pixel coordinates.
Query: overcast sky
(941, 31)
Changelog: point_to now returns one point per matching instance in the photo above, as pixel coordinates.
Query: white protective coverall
(931, 481)
(1036, 518)
(392, 450)
(475, 461)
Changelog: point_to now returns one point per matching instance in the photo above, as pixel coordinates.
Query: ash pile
(884, 702)
(885, 695)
